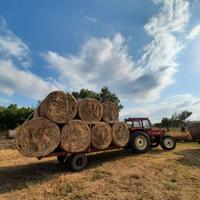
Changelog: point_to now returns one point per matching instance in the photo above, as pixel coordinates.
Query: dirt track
(117, 176)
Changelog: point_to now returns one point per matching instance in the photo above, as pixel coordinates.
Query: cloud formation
(105, 61)
(15, 78)
(12, 46)
(193, 33)
(166, 108)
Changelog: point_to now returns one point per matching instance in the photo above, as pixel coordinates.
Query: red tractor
(143, 136)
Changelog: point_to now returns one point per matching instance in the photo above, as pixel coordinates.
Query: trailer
(143, 137)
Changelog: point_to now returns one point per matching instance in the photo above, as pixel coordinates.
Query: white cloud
(90, 19)
(14, 80)
(105, 61)
(165, 108)
(14, 76)
(193, 33)
(12, 46)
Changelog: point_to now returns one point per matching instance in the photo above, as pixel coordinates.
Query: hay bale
(58, 107)
(90, 110)
(181, 136)
(101, 135)
(75, 136)
(120, 134)
(37, 137)
(110, 112)
(54, 107)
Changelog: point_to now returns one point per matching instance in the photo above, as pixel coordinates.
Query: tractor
(143, 136)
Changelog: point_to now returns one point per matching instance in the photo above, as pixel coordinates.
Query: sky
(145, 51)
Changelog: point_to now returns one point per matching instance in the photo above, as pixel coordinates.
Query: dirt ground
(121, 175)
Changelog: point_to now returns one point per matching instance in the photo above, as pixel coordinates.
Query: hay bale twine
(75, 136)
(120, 134)
(37, 137)
(90, 110)
(54, 107)
(110, 112)
(101, 135)
(72, 106)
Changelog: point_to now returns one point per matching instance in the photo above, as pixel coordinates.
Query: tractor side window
(129, 123)
(137, 124)
(146, 124)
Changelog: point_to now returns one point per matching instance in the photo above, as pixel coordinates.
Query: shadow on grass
(20, 176)
(190, 157)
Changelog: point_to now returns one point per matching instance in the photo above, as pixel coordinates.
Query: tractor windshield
(146, 124)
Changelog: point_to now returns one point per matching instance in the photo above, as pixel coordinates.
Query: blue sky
(145, 51)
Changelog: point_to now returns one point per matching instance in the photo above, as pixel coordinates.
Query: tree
(12, 116)
(165, 122)
(176, 120)
(104, 95)
(85, 93)
(107, 95)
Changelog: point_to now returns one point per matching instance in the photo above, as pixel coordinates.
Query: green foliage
(176, 120)
(104, 95)
(12, 116)
(85, 93)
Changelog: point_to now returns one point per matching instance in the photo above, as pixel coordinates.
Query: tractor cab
(143, 124)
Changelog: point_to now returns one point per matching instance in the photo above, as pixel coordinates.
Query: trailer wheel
(77, 162)
(139, 142)
(168, 143)
(61, 159)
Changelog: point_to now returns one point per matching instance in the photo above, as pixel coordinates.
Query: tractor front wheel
(139, 142)
(168, 143)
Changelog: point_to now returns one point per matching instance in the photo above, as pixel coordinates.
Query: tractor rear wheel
(139, 142)
(168, 143)
(77, 162)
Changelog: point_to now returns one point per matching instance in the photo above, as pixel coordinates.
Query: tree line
(177, 120)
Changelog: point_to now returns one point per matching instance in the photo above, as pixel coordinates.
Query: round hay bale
(37, 137)
(101, 135)
(54, 107)
(58, 107)
(72, 106)
(110, 112)
(90, 110)
(75, 136)
(120, 134)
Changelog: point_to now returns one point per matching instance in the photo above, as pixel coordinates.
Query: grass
(121, 175)
(100, 174)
